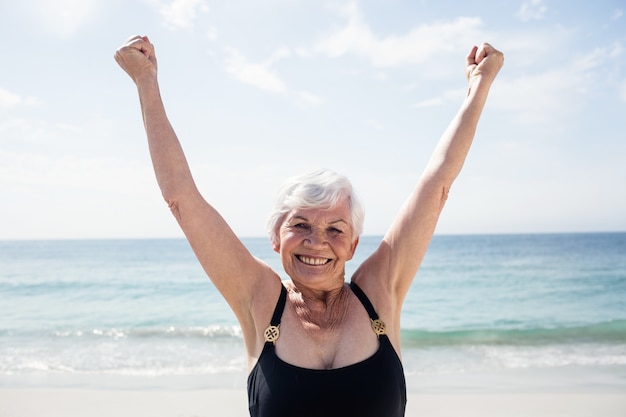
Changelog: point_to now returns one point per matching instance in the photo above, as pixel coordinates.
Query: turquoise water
(83, 312)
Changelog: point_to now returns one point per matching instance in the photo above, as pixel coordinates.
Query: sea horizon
(261, 236)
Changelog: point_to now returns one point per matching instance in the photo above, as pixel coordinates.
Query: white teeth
(313, 261)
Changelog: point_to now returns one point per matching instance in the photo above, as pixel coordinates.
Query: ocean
(485, 312)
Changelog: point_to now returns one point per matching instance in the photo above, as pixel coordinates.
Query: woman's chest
(342, 340)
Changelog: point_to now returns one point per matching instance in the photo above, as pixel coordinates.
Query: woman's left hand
(483, 62)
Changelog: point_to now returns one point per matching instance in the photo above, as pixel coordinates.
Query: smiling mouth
(312, 261)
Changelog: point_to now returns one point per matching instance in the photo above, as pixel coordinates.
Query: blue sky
(262, 90)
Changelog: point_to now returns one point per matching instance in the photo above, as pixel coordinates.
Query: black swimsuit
(374, 387)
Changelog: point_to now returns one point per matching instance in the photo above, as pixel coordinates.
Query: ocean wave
(216, 349)
(170, 332)
(611, 332)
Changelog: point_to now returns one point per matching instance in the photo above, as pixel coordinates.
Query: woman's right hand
(136, 56)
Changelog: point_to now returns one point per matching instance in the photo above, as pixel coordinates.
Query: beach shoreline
(555, 392)
(75, 402)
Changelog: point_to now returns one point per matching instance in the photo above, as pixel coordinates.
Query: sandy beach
(63, 402)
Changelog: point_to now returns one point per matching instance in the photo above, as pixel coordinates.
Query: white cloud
(431, 102)
(10, 100)
(62, 18)
(211, 34)
(553, 95)
(374, 124)
(262, 76)
(181, 14)
(70, 197)
(416, 47)
(535, 48)
(258, 75)
(622, 89)
(308, 98)
(29, 169)
(27, 131)
(532, 10)
(447, 97)
(277, 55)
(547, 98)
(617, 15)
(616, 50)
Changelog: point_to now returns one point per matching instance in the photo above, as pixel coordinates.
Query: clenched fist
(483, 62)
(136, 56)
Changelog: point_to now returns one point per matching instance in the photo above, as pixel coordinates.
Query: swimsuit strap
(280, 306)
(364, 300)
(272, 332)
(378, 326)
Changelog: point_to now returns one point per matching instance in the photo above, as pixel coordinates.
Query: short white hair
(322, 189)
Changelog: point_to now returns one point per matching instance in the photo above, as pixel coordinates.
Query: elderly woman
(316, 346)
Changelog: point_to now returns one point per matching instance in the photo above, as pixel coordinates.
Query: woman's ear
(276, 244)
(354, 245)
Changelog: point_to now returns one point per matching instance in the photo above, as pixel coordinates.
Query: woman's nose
(315, 239)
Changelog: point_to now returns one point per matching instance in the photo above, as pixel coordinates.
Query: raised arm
(233, 270)
(405, 244)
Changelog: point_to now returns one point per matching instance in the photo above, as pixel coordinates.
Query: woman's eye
(335, 230)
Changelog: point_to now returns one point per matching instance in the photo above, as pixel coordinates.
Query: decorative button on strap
(378, 326)
(272, 333)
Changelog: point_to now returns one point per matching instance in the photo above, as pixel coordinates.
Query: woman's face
(315, 244)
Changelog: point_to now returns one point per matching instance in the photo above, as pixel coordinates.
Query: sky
(262, 90)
